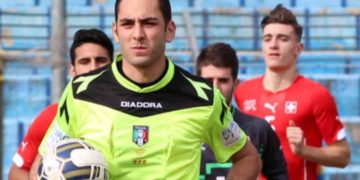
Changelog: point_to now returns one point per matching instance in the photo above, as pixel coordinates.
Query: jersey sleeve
(274, 164)
(327, 117)
(60, 127)
(224, 135)
(28, 148)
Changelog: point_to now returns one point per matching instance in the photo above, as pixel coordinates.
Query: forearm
(17, 173)
(336, 156)
(34, 167)
(249, 168)
(246, 166)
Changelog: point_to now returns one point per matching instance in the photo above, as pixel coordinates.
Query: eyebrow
(89, 58)
(277, 35)
(142, 20)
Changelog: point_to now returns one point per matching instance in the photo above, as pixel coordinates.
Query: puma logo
(271, 107)
(23, 145)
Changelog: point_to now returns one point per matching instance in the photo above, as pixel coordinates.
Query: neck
(275, 81)
(144, 74)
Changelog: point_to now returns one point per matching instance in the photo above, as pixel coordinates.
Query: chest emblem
(140, 135)
(290, 107)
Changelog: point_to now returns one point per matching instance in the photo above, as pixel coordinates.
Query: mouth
(139, 47)
(139, 50)
(274, 55)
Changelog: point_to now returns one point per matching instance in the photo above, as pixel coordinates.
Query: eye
(102, 60)
(149, 23)
(84, 61)
(266, 39)
(223, 80)
(126, 23)
(284, 39)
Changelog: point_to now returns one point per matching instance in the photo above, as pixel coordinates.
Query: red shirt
(308, 104)
(28, 148)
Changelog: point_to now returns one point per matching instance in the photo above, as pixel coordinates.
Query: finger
(292, 123)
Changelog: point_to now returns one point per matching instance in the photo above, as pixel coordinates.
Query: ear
(299, 49)
(115, 32)
(236, 83)
(170, 31)
(72, 70)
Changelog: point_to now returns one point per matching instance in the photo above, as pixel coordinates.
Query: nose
(216, 83)
(274, 44)
(93, 65)
(138, 32)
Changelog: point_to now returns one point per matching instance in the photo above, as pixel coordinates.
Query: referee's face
(142, 33)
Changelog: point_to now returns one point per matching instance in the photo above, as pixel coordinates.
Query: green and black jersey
(151, 132)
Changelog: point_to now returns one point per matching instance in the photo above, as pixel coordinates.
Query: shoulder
(188, 84)
(314, 85)
(250, 85)
(98, 80)
(48, 114)
(252, 122)
(101, 73)
(51, 108)
(181, 73)
(43, 120)
(316, 89)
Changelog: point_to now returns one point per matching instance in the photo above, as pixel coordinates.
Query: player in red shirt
(301, 111)
(91, 49)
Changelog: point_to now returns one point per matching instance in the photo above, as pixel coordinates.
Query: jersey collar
(133, 87)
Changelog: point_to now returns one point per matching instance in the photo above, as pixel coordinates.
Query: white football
(73, 159)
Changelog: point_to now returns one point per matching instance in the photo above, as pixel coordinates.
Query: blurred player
(91, 49)
(302, 112)
(143, 92)
(219, 63)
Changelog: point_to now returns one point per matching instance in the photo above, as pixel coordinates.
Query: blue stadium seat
(178, 44)
(179, 4)
(353, 3)
(17, 3)
(332, 29)
(266, 3)
(213, 4)
(11, 142)
(318, 3)
(345, 89)
(84, 17)
(25, 28)
(110, 3)
(250, 65)
(68, 3)
(321, 64)
(354, 63)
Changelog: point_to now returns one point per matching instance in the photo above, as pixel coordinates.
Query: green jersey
(148, 132)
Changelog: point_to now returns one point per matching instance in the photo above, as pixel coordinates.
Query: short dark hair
(219, 55)
(165, 9)
(95, 36)
(282, 15)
